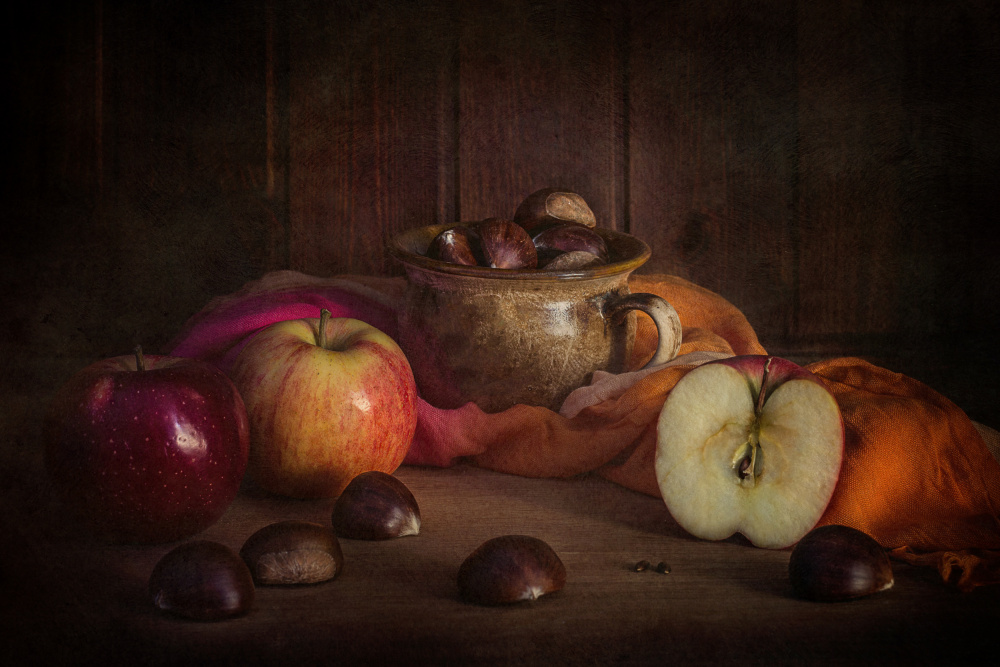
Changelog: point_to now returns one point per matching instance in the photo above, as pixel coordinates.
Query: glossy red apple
(327, 398)
(750, 444)
(147, 449)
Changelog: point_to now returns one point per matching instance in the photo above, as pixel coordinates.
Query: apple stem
(763, 384)
(324, 317)
(140, 361)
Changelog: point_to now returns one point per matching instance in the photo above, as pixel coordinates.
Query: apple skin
(321, 415)
(147, 456)
(749, 444)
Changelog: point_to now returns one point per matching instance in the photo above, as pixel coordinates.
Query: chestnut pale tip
(836, 563)
(376, 506)
(510, 569)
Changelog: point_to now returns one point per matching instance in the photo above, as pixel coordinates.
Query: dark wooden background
(829, 167)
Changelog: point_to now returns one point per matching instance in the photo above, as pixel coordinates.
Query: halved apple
(750, 444)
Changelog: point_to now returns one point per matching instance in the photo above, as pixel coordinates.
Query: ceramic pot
(500, 337)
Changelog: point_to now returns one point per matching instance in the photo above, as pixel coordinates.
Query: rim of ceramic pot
(409, 247)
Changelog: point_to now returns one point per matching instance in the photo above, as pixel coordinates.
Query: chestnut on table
(399, 600)
(467, 566)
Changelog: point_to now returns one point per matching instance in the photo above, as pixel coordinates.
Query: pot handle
(668, 325)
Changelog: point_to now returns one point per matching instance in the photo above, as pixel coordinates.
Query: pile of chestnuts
(551, 229)
(207, 581)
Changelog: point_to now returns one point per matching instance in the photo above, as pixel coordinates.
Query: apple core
(751, 445)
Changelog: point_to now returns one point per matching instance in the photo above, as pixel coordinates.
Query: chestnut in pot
(553, 205)
(574, 259)
(554, 239)
(505, 245)
(457, 245)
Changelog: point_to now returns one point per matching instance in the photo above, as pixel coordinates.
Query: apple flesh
(327, 398)
(750, 444)
(147, 449)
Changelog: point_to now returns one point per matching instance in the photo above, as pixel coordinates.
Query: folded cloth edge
(384, 293)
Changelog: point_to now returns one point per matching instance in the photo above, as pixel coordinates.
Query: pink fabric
(225, 325)
(609, 427)
(219, 331)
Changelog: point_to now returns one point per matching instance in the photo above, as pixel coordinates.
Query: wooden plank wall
(829, 167)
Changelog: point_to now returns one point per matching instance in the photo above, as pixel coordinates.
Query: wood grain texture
(51, 224)
(540, 105)
(143, 195)
(370, 129)
(851, 123)
(831, 168)
(712, 92)
(723, 602)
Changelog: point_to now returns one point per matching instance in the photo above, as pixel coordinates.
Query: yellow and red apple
(327, 399)
(147, 448)
(750, 444)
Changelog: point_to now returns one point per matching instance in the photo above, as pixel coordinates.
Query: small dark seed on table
(663, 568)
(641, 566)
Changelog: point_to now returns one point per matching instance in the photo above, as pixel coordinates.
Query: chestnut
(202, 580)
(456, 245)
(509, 569)
(834, 563)
(575, 259)
(292, 553)
(505, 245)
(568, 237)
(375, 506)
(553, 205)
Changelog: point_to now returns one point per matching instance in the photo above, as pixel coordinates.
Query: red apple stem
(763, 386)
(140, 361)
(324, 317)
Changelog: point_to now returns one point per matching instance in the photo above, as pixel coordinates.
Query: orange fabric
(966, 569)
(906, 442)
(539, 443)
(710, 322)
(917, 474)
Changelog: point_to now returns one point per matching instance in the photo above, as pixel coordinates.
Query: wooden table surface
(67, 599)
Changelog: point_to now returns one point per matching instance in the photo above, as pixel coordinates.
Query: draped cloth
(918, 475)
